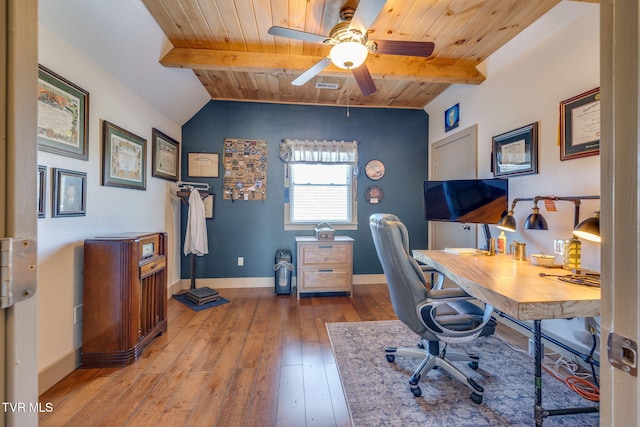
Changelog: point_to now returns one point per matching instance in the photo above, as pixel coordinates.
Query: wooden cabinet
(324, 265)
(125, 297)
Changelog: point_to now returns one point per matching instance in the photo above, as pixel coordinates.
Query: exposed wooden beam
(382, 67)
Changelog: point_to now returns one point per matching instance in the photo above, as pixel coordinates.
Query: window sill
(295, 227)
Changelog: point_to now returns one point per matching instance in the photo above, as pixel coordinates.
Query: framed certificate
(203, 165)
(165, 162)
(124, 157)
(580, 125)
(516, 152)
(63, 116)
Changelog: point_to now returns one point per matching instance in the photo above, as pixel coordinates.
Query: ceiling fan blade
(365, 14)
(396, 47)
(297, 34)
(311, 72)
(364, 80)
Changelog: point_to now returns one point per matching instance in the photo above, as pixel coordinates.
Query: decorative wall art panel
(245, 169)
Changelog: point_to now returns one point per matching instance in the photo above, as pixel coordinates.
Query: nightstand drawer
(326, 279)
(324, 254)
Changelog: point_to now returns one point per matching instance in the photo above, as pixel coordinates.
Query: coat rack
(204, 295)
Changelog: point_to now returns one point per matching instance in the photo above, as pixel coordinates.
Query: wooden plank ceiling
(226, 44)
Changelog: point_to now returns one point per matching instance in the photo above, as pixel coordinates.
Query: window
(320, 184)
(320, 193)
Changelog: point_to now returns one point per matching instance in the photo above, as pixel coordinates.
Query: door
(18, 91)
(620, 216)
(454, 157)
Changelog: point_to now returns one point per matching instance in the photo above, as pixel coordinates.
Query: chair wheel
(477, 398)
(391, 358)
(417, 392)
(421, 345)
(473, 365)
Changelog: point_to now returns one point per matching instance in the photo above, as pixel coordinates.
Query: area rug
(377, 392)
(195, 307)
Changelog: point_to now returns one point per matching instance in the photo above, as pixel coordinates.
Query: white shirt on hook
(195, 239)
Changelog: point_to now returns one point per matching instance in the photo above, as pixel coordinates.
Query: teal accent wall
(255, 229)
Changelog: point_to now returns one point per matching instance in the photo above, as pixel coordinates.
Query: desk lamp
(535, 221)
(589, 229)
(508, 222)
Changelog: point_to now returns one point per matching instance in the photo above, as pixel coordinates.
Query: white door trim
(20, 65)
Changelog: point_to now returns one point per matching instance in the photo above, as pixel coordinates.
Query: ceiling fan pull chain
(348, 95)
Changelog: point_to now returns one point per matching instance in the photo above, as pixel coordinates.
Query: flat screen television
(473, 201)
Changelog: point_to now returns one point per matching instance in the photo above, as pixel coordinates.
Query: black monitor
(473, 201)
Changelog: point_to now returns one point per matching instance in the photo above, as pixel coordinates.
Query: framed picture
(69, 197)
(203, 165)
(580, 125)
(516, 152)
(63, 116)
(452, 118)
(209, 205)
(41, 184)
(123, 158)
(165, 158)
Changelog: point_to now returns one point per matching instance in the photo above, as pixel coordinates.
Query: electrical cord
(574, 380)
(578, 384)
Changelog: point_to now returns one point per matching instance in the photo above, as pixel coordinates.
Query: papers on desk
(461, 251)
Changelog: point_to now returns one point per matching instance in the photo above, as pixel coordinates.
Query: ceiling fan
(350, 44)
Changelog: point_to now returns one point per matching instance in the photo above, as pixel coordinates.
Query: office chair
(436, 315)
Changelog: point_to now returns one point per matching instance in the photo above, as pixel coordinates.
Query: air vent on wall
(326, 85)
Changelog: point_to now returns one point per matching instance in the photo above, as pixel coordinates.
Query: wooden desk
(516, 289)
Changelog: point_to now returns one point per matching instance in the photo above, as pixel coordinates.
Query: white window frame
(351, 225)
(320, 152)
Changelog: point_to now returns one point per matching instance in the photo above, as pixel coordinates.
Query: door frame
(471, 133)
(620, 195)
(18, 158)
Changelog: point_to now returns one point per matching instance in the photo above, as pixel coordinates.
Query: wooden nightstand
(324, 265)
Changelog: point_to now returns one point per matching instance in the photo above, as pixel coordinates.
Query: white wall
(110, 210)
(527, 90)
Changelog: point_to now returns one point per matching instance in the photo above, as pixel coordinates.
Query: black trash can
(283, 270)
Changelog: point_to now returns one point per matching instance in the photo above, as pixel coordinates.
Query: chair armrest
(430, 318)
(448, 294)
(436, 278)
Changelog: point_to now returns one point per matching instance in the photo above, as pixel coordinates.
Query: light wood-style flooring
(261, 360)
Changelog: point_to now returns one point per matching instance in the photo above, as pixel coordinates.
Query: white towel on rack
(195, 239)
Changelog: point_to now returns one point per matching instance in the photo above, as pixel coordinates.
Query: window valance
(317, 151)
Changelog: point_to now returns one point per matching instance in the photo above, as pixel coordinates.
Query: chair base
(431, 361)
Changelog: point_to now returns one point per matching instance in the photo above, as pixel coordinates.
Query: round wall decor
(374, 194)
(374, 170)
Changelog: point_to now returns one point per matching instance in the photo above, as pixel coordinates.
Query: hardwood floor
(260, 360)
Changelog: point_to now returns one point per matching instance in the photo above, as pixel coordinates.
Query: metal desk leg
(539, 413)
(537, 343)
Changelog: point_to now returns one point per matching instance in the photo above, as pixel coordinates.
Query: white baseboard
(59, 369)
(258, 282)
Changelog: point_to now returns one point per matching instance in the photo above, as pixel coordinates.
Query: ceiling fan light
(348, 55)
